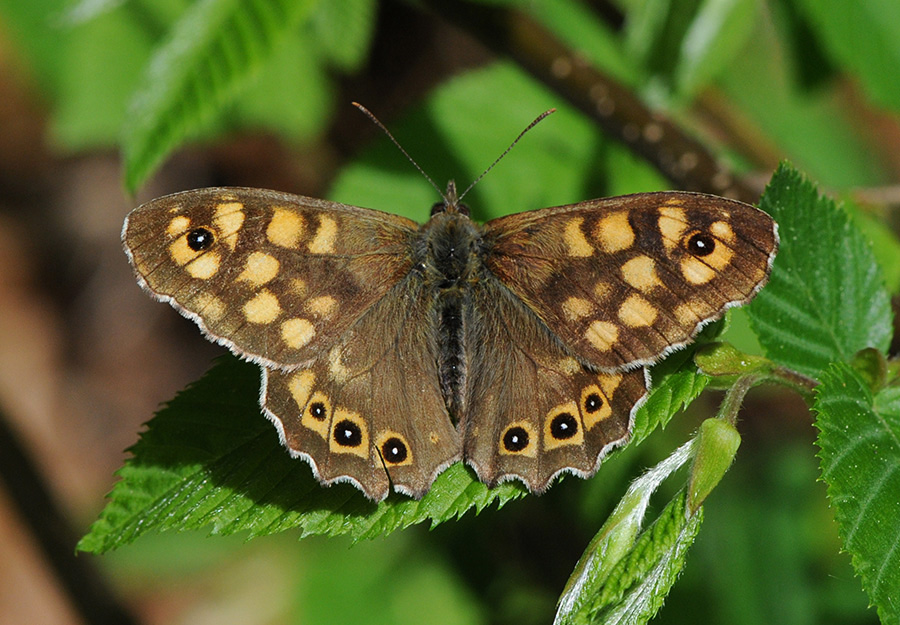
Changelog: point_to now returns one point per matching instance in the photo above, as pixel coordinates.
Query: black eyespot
(593, 403)
(563, 426)
(701, 244)
(347, 434)
(515, 439)
(199, 239)
(318, 411)
(394, 451)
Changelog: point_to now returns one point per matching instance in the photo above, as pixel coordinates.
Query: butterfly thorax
(450, 260)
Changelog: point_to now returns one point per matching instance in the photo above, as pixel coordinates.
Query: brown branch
(84, 585)
(617, 110)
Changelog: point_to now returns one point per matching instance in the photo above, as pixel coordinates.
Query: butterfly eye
(515, 439)
(318, 411)
(593, 403)
(394, 451)
(701, 244)
(563, 426)
(199, 239)
(347, 434)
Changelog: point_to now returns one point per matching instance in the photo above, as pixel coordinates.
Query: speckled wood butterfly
(390, 350)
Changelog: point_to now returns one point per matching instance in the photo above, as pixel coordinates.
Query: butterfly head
(451, 204)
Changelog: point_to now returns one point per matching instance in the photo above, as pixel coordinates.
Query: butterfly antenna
(536, 121)
(378, 123)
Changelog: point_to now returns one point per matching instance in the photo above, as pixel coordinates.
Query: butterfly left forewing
(623, 281)
(532, 410)
(275, 277)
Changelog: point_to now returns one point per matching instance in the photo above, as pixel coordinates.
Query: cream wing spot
(259, 269)
(576, 244)
(204, 266)
(321, 306)
(686, 315)
(300, 385)
(178, 225)
(602, 335)
(323, 241)
(575, 308)
(285, 229)
(614, 232)
(180, 252)
(297, 332)
(262, 308)
(696, 271)
(636, 312)
(671, 225)
(228, 219)
(210, 307)
(640, 272)
(339, 372)
(722, 230)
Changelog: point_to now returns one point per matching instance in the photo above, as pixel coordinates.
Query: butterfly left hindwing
(371, 411)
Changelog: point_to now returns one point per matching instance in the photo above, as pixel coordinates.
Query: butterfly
(391, 349)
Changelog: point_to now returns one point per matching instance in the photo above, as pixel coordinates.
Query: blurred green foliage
(793, 79)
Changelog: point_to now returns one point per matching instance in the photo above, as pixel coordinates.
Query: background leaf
(209, 458)
(209, 55)
(826, 298)
(859, 439)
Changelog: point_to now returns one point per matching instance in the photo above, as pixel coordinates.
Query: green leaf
(826, 298)
(718, 31)
(676, 383)
(634, 589)
(210, 459)
(859, 438)
(343, 31)
(210, 54)
(864, 36)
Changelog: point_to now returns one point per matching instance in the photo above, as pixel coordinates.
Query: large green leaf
(859, 438)
(826, 299)
(864, 36)
(209, 458)
(210, 54)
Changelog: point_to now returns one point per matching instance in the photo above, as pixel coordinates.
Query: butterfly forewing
(275, 277)
(623, 281)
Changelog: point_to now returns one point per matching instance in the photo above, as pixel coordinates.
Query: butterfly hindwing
(533, 410)
(623, 281)
(371, 411)
(275, 277)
